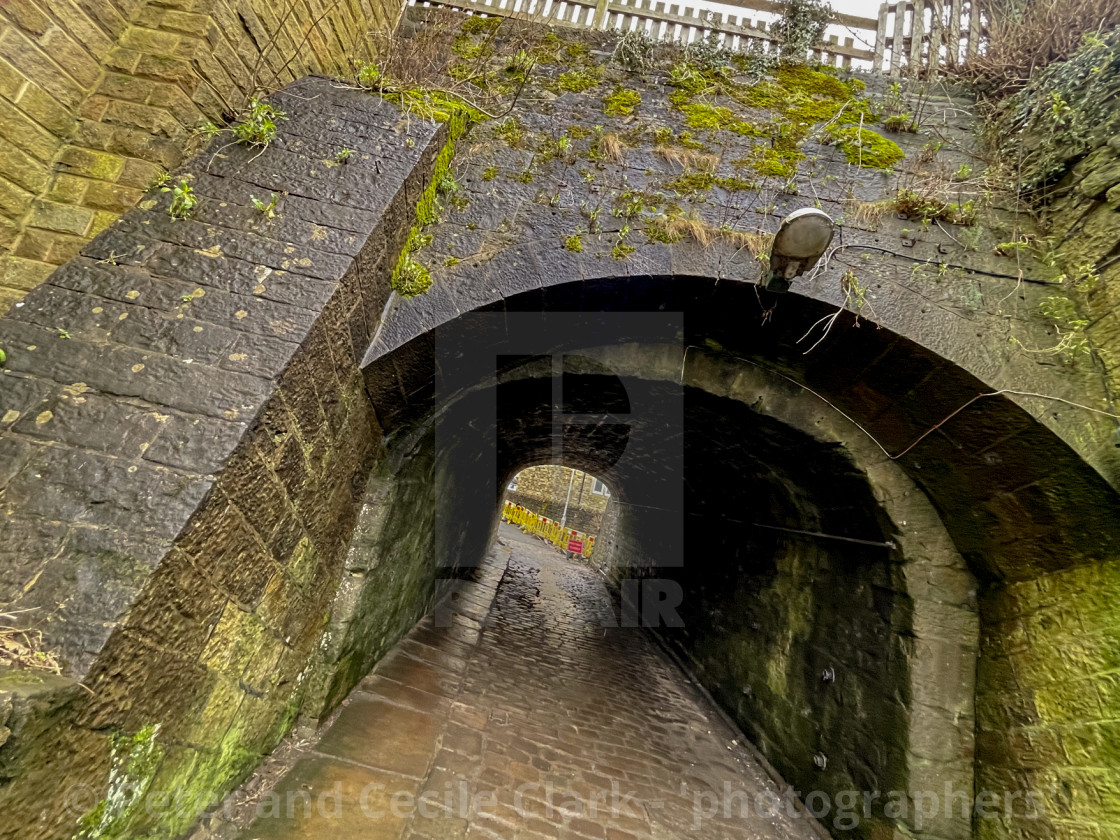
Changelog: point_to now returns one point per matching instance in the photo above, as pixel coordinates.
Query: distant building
(548, 490)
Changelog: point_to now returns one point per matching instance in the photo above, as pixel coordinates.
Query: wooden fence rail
(916, 38)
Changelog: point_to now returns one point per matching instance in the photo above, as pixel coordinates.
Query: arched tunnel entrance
(848, 606)
(805, 580)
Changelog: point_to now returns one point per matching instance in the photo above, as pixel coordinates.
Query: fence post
(917, 39)
(880, 39)
(601, 14)
(899, 37)
(936, 35)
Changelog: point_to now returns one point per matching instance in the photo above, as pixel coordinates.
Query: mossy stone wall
(184, 466)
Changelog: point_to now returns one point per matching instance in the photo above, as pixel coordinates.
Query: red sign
(575, 546)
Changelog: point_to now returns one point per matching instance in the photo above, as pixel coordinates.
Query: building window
(599, 488)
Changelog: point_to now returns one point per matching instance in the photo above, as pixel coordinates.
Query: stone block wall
(186, 440)
(544, 490)
(98, 98)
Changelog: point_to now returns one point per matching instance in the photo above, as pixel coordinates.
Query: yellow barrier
(567, 539)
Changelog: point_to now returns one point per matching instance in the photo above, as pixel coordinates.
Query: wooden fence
(902, 41)
(924, 37)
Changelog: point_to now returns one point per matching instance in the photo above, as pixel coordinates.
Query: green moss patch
(717, 117)
(577, 81)
(410, 278)
(621, 102)
(133, 764)
(866, 148)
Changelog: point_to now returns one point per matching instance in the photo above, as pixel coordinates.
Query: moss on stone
(772, 162)
(866, 148)
(133, 764)
(621, 102)
(689, 183)
(660, 231)
(477, 25)
(512, 131)
(409, 277)
(577, 81)
(717, 117)
(573, 243)
(736, 184)
(622, 250)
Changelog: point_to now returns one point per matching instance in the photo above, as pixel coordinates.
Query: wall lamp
(803, 237)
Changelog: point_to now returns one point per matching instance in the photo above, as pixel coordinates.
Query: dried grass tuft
(867, 214)
(687, 158)
(23, 647)
(612, 148)
(691, 226)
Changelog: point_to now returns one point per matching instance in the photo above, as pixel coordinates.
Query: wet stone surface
(526, 717)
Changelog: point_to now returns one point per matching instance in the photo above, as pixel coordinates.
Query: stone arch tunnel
(235, 463)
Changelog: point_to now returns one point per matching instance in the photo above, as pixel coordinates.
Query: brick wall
(98, 98)
(544, 490)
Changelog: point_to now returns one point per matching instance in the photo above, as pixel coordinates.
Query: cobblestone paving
(527, 718)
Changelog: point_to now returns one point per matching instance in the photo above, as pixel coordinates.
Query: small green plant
(412, 279)
(970, 237)
(489, 173)
(341, 157)
(520, 64)
(1068, 324)
(512, 131)
(900, 122)
(369, 76)
(63, 333)
(451, 261)
(159, 181)
(258, 124)
(931, 207)
(964, 171)
(183, 199)
(3, 357)
(447, 184)
(1085, 279)
(208, 131)
(972, 299)
(1059, 109)
(855, 293)
(709, 54)
(894, 102)
(622, 249)
(929, 151)
(1010, 249)
(267, 210)
(801, 27)
(573, 243)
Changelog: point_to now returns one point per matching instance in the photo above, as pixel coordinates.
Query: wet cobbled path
(527, 717)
